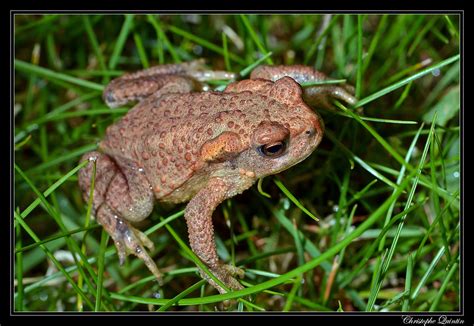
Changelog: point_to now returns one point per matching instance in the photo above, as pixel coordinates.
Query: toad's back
(164, 136)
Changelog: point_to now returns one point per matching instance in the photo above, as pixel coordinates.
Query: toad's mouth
(304, 145)
(300, 159)
(300, 154)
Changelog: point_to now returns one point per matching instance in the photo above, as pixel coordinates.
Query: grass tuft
(382, 191)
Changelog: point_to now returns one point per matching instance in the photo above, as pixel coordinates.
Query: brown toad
(180, 143)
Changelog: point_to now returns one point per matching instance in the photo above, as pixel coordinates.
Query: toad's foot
(323, 95)
(319, 95)
(226, 274)
(198, 70)
(127, 239)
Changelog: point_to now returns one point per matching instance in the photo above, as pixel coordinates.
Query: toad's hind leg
(157, 81)
(115, 203)
(121, 91)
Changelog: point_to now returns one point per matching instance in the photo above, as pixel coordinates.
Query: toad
(183, 143)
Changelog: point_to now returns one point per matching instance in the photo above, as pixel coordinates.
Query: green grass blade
(247, 70)
(452, 75)
(72, 245)
(435, 197)
(100, 272)
(83, 246)
(226, 52)
(298, 244)
(44, 281)
(373, 247)
(58, 265)
(141, 50)
(309, 247)
(51, 189)
(436, 32)
(163, 39)
(342, 202)
(382, 120)
(49, 74)
(411, 194)
(164, 222)
(387, 259)
(331, 251)
(183, 294)
(260, 190)
(404, 95)
(42, 21)
(407, 71)
(254, 37)
(444, 285)
(358, 195)
(293, 199)
(94, 112)
(95, 45)
(121, 39)
(60, 159)
(401, 174)
(428, 272)
(53, 57)
(452, 29)
(257, 256)
(55, 237)
(432, 225)
(358, 89)
(292, 294)
(374, 172)
(377, 136)
(374, 42)
(204, 43)
(428, 27)
(19, 302)
(33, 125)
(360, 161)
(405, 81)
(314, 46)
(426, 182)
(408, 280)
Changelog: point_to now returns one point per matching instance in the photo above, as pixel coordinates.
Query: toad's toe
(225, 274)
(127, 239)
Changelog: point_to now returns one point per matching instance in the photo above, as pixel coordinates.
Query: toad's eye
(273, 149)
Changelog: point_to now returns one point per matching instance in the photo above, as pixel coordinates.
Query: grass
(369, 222)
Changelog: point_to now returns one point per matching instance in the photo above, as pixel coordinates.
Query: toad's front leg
(198, 216)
